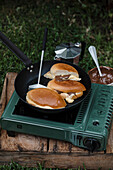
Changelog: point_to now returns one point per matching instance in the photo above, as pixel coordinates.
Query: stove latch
(91, 144)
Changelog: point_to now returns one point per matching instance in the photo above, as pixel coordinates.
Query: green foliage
(23, 22)
(68, 21)
(16, 166)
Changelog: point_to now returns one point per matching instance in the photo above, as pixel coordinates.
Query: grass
(68, 21)
(16, 166)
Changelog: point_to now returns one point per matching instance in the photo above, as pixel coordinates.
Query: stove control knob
(91, 144)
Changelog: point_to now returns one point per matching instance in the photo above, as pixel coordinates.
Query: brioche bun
(45, 98)
(63, 68)
(68, 89)
(66, 86)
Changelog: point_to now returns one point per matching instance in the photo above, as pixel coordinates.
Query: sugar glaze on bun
(45, 98)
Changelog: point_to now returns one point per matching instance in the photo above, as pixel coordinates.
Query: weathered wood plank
(7, 91)
(58, 146)
(31, 159)
(20, 142)
(109, 148)
(30, 150)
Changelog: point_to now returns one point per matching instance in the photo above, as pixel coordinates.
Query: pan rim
(68, 106)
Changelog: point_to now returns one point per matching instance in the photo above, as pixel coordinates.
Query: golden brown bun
(66, 86)
(49, 75)
(63, 67)
(45, 98)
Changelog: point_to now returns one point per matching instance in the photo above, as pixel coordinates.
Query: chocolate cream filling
(62, 77)
(59, 92)
(107, 75)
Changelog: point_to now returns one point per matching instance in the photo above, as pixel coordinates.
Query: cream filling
(73, 76)
(72, 97)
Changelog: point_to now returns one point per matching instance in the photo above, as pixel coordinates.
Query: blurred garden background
(23, 22)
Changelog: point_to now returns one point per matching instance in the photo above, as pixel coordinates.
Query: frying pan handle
(15, 50)
(45, 39)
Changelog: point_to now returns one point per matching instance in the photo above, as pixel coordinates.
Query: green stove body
(86, 126)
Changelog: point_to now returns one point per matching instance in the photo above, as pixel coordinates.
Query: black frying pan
(29, 75)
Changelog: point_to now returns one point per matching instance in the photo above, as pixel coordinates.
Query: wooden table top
(28, 149)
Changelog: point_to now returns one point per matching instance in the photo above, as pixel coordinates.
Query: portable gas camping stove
(86, 126)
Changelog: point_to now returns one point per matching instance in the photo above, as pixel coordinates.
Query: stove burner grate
(67, 117)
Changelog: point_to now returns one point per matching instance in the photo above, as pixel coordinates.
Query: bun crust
(45, 98)
(66, 86)
(63, 67)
